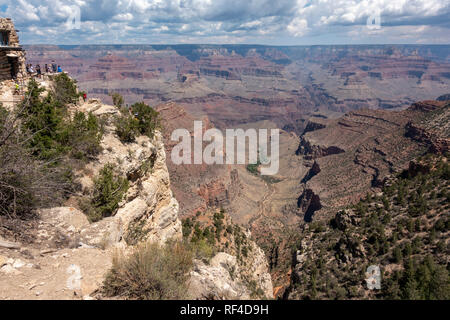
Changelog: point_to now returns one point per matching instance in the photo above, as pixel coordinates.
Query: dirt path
(60, 275)
(264, 206)
(55, 264)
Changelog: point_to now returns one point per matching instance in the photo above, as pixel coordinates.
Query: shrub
(44, 119)
(253, 168)
(148, 119)
(117, 100)
(83, 136)
(202, 249)
(151, 272)
(65, 90)
(126, 128)
(26, 183)
(109, 190)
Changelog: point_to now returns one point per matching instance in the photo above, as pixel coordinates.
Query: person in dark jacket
(38, 71)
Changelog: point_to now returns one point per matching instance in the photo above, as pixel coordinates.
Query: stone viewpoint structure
(12, 57)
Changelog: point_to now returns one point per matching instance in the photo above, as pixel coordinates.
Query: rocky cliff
(64, 256)
(62, 238)
(197, 187)
(237, 268)
(149, 204)
(401, 231)
(354, 154)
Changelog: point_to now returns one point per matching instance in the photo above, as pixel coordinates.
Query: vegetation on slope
(161, 272)
(140, 119)
(213, 231)
(109, 190)
(151, 272)
(40, 145)
(403, 230)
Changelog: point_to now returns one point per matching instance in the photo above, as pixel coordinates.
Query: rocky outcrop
(309, 203)
(216, 281)
(239, 268)
(225, 278)
(313, 171)
(436, 144)
(427, 106)
(311, 151)
(345, 219)
(313, 126)
(149, 212)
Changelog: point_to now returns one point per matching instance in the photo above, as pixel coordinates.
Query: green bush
(151, 272)
(109, 190)
(65, 89)
(26, 182)
(83, 135)
(117, 100)
(54, 132)
(143, 121)
(126, 128)
(44, 118)
(148, 119)
(253, 168)
(202, 249)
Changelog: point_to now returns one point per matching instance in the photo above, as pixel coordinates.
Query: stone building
(12, 56)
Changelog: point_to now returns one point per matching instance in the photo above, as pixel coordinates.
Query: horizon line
(236, 44)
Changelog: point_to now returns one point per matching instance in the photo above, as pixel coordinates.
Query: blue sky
(274, 22)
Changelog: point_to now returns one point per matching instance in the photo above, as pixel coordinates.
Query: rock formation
(234, 84)
(371, 145)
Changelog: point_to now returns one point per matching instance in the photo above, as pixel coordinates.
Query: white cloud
(298, 27)
(257, 20)
(123, 17)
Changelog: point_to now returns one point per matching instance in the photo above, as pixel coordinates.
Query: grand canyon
(363, 173)
(344, 112)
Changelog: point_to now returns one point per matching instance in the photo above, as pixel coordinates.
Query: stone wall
(13, 51)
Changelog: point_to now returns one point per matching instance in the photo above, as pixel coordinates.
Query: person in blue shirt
(59, 69)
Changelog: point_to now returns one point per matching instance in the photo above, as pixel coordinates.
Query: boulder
(217, 281)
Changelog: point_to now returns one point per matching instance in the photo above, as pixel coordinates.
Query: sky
(270, 22)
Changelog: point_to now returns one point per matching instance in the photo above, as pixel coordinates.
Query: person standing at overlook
(38, 70)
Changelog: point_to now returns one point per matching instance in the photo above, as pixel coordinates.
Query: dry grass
(151, 272)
